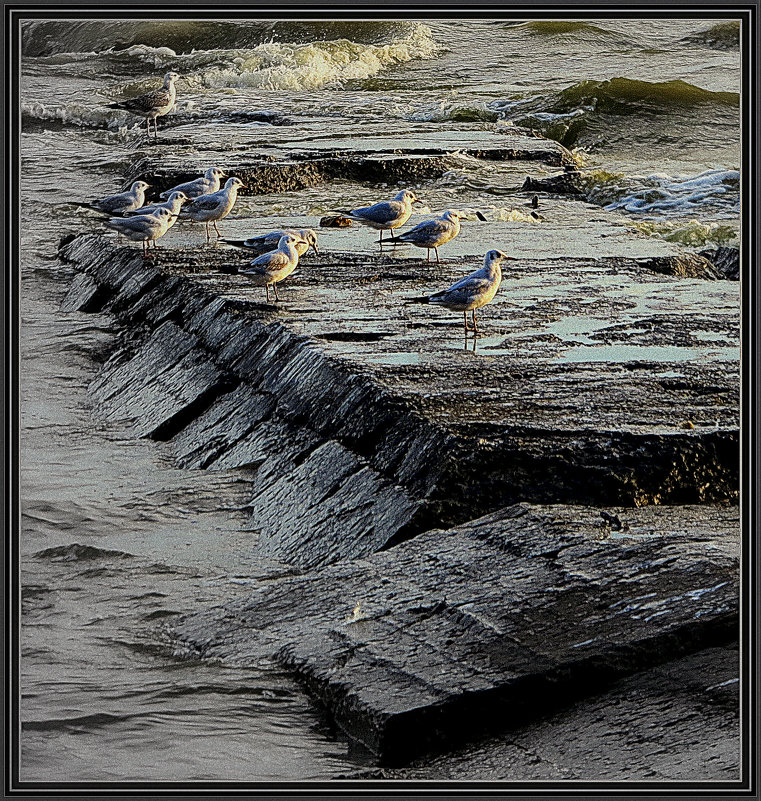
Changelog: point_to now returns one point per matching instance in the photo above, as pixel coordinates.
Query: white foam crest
(274, 65)
(444, 111)
(158, 57)
(501, 214)
(79, 115)
(691, 233)
(665, 194)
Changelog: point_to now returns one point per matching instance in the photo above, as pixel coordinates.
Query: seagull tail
(237, 243)
(229, 269)
(419, 299)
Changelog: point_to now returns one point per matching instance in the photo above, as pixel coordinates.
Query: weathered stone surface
(296, 164)
(479, 628)
(689, 265)
(84, 295)
(167, 382)
(726, 261)
(564, 183)
(435, 433)
(675, 722)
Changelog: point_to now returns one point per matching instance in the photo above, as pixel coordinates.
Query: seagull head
(139, 186)
(171, 77)
(407, 196)
(234, 183)
(310, 237)
(181, 196)
(290, 240)
(452, 214)
(214, 172)
(495, 257)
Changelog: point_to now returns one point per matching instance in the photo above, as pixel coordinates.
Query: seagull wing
(146, 209)
(262, 240)
(190, 188)
(462, 291)
(380, 213)
(145, 224)
(147, 102)
(430, 229)
(268, 262)
(205, 202)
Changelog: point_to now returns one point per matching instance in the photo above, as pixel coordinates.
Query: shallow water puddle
(646, 353)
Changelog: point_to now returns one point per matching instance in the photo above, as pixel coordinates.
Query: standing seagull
(204, 185)
(266, 242)
(152, 104)
(174, 204)
(434, 233)
(210, 208)
(145, 228)
(473, 291)
(387, 215)
(272, 267)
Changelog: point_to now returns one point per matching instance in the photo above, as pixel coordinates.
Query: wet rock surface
(369, 431)
(481, 627)
(434, 433)
(675, 722)
(294, 164)
(725, 260)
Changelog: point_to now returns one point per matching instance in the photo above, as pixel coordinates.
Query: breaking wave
(660, 194)
(49, 37)
(266, 63)
(566, 116)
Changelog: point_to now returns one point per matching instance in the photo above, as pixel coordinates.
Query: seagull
(121, 203)
(214, 206)
(387, 215)
(145, 228)
(205, 185)
(152, 104)
(473, 291)
(174, 204)
(434, 233)
(266, 242)
(276, 265)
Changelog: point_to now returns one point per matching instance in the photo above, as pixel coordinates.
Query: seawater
(114, 539)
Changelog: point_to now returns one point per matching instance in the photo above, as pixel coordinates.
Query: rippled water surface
(115, 539)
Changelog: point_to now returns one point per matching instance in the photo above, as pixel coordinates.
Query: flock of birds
(202, 200)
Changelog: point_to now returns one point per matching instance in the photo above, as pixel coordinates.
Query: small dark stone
(335, 221)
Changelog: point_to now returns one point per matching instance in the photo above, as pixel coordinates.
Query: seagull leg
(427, 254)
(475, 327)
(208, 233)
(436, 250)
(277, 297)
(465, 317)
(380, 238)
(267, 291)
(219, 234)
